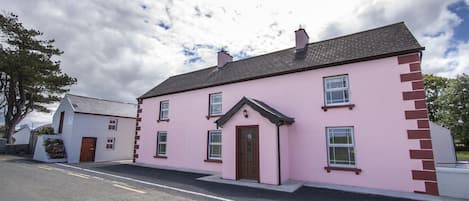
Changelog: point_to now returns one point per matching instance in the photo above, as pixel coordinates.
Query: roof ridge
(342, 36)
(356, 33)
(81, 96)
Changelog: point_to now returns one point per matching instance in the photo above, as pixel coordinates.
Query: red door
(88, 149)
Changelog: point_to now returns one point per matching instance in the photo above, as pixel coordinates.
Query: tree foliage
(448, 104)
(434, 86)
(455, 107)
(29, 75)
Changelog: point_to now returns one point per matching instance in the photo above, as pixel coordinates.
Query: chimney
(302, 39)
(223, 58)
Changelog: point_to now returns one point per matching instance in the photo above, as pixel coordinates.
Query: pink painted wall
(267, 145)
(382, 148)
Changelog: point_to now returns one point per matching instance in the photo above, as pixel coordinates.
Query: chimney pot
(223, 58)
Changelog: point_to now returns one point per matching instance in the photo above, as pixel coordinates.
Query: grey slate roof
(390, 40)
(88, 105)
(265, 110)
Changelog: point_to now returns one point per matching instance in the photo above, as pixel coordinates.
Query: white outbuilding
(22, 135)
(95, 130)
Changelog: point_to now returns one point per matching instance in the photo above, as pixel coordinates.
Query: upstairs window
(341, 148)
(214, 145)
(336, 90)
(164, 110)
(161, 143)
(215, 104)
(110, 142)
(112, 124)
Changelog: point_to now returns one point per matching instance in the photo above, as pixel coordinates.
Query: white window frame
(113, 143)
(113, 125)
(164, 110)
(159, 142)
(346, 88)
(210, 144)
(352, 144)
(212, 103)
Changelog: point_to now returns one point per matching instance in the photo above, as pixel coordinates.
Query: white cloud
(117, 50)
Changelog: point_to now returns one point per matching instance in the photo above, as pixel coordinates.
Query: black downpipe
(278, 155)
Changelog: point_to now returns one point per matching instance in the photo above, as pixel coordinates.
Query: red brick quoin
(413, 78)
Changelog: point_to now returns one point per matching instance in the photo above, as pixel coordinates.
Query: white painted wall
(78, 125)
(67, 130)
(22, 136)
(453, 182)
(85, 125)
(443, 145)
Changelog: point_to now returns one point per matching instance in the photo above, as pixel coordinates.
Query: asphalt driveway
(189, 182)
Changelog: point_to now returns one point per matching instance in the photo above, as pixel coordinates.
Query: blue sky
(120, 49)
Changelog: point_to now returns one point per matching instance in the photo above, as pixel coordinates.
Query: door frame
(258, 153)
(94, 154)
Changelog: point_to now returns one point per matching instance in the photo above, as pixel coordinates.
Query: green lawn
(463, 155)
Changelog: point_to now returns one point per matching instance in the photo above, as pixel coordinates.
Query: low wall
(17, 149)
(40, 153)
(3, 143)
(453, 182)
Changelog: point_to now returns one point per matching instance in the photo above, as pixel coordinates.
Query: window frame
(210, 144)
(325, 89)
(352, 144)
(110, 124)
(210, 103)
(158, 143)
(160, 116)
(113, 144)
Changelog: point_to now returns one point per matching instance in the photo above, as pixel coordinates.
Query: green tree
(29, 75)
(434, 86)
(454, 105)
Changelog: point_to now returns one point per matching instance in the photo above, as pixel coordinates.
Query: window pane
(162, 149)
(215, 151)
(337, 96)
(164, 114)
(164, 105)
(215, 137)
(335, 83)
(162, 137)
(215, 109)
(215, 98)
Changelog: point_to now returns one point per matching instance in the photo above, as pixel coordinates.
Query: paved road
(23, 179)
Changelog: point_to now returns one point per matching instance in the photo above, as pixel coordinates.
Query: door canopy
(265, 110)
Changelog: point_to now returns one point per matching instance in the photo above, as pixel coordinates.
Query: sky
(120, 49)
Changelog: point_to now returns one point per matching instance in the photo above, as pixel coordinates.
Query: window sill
(350, 107)
(162, 120)
(330, 168)
(163, 157)
(214, 116)
(213, 161)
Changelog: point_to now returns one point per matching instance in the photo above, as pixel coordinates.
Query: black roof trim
(265, 110)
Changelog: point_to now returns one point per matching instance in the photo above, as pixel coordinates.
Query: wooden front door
(88, 149)
(247, 152)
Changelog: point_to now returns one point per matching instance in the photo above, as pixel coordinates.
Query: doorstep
(288, 186)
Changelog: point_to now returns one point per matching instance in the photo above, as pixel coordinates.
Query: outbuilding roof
(265, 110)
(386, 41)
(88, 105)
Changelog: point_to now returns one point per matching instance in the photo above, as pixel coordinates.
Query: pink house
(344, 111)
